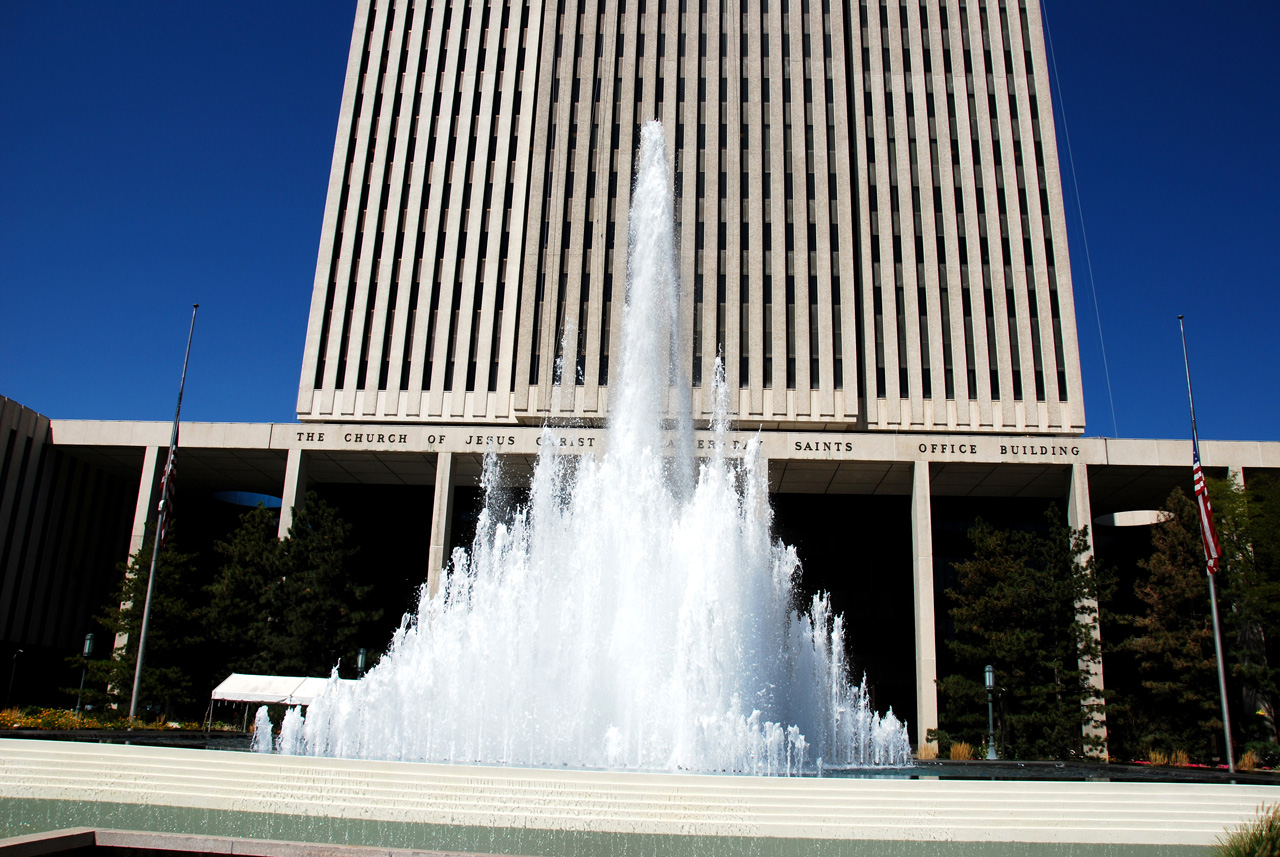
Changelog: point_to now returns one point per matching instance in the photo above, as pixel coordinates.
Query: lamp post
(990, 675)
(13, 671)
(84, 666)
(360, 663)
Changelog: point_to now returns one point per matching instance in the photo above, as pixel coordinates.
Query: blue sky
(160, 154)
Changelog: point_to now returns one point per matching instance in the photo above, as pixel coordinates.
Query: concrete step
(628, 803)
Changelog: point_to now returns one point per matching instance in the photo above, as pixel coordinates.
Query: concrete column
(146, 487)
(295, 488)
(141, 514)
(441, 518)
(1079, 515)
(922, 581)
(1235, 474)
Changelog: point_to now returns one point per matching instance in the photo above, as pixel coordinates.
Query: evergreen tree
(174, 633)
(252, 561)
(1178, 706)
(1250, 599)
(291, 606)
(1024, 605)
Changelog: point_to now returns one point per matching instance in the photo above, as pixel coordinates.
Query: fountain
(633, 613)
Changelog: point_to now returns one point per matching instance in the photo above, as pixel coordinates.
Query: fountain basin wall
(47, 785)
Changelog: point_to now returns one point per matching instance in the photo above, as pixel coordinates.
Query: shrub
(928, 751)
(939, 738)
(1158, 757)
(1267, 752)
(1249, 761)
(1258, 838)
(1179, 759)
(961, 751)
(62, 719)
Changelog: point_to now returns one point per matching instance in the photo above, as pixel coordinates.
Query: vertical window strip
(966, 285)
(394, 289)
(895, 212)
(916, 233)
(349, 320)
(515, 264)
(1023, 189)
(833, 213)
(432, 107)
(939, 215)
(811, 213)
(451, 342)
(789, 192)
(445, 127)
(481, 220)
(411, 323)
(388, 163)
(873, 204)
(547, 298)
(984, 259)
(1005, 264)
(463, 132)
(326, 327)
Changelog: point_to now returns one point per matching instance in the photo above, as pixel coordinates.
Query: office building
(869, 213)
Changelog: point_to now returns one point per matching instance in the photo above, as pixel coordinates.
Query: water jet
(635, 613)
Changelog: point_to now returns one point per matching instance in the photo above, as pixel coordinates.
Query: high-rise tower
(868, 202)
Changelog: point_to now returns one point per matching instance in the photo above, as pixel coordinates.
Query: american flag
(1211, 549)
(168, 486)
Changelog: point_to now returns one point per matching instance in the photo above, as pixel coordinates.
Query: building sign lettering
(384, 438)
(567, 442)
(1037, 450)
(944, 448)
(823, 446)
(490, 440)
(710, 443)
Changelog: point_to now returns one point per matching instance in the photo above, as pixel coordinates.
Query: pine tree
(252, 561)
(174, 632)
(1023, 605)
(1178, 707)
(1250, 599)
(291, 606)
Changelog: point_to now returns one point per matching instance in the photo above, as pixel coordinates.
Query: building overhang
(1124, 473)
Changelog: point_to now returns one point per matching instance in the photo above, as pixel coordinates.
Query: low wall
(46, 785)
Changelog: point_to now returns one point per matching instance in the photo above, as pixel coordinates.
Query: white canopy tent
(269, 689)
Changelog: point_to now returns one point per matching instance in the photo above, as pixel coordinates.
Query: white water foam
(634, 613)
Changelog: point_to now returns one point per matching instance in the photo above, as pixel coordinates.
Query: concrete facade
(63, 521)
(1096, 480)
(867, 195)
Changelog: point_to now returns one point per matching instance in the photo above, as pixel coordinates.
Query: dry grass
(961, 751)
(1174, 758)
(1250, 761)
(1259, 838)
(928, 751)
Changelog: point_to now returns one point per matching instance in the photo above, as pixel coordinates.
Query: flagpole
(1213, 594)
(155, 550)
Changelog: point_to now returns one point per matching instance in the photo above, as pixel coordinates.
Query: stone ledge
(138, 843)
(429, 806)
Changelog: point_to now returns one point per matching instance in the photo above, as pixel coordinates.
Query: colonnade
(922, 564)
